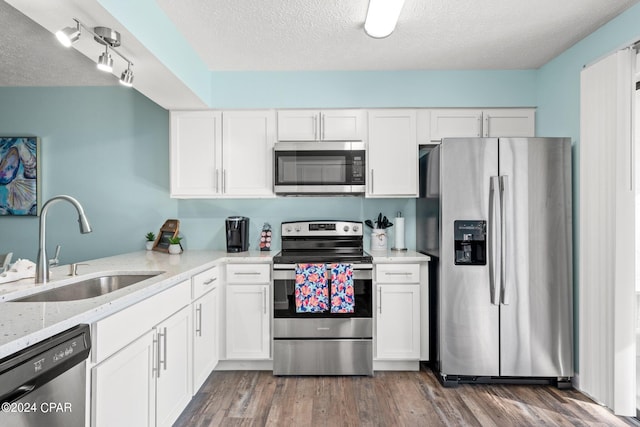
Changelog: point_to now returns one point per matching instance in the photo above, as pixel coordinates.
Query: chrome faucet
(56, 258)
(42, 264)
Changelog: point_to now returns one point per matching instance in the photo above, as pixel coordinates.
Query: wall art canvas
(19, 176)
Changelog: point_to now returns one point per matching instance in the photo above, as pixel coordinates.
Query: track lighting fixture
(107, 37)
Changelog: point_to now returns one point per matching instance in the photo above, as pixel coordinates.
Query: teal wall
(108, 146)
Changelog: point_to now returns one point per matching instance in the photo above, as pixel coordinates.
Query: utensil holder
(378, 239)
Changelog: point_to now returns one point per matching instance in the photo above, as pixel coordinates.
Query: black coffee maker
(237, 233)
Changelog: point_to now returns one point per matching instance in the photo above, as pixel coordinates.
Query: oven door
(319, 168)
(284, 306)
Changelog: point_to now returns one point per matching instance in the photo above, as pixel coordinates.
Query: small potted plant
(174, 245)
(151, 238)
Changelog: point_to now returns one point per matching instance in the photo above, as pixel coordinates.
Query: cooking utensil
(369, 223)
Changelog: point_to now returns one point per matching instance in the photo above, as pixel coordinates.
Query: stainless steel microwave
(319, 168)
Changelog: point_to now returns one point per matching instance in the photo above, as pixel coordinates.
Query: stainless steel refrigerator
(495, 214)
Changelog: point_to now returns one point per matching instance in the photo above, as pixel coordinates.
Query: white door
(509, 122)
(298, 125)
(398, 322)
(247, 146)
(123, 386)
(455, 123)
(343, 125)
(205, 337)
(393, 154)
(173, 381)
(195, 153)
(248, 322)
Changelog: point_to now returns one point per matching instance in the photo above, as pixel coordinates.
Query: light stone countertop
(25, 323)
(390, 256)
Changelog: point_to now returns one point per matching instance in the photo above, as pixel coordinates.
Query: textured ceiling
(431, 34)
(31, 56)
(264, 35)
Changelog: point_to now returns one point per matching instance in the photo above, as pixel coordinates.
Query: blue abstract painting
(19, 176)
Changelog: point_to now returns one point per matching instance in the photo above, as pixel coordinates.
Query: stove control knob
(288, 229)
(346, 228)
(298, 229)
(355, 228)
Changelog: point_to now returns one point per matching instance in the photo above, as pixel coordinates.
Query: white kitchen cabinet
(476, 123)
(392, 153)
(321, 125)
(398, 321)
(248, 312)
(144, 356)
(173, 369)
(398, 314)
(508, 122)
(222, 154)
(205, 337)
(196, 154)
(123, 387)
(456, 123)
(247, 153)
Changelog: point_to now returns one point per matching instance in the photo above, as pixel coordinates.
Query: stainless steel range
(322, 342)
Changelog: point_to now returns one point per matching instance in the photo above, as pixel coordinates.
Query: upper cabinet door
(298, 125)
(512, 122)
(392, 154)
(247, 145)
(321, 125)
(195, 153)
(455, 123)
(343, 125)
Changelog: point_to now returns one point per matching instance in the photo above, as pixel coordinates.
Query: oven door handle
(289, 273)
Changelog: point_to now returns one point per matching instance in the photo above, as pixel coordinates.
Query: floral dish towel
(342, 295)
(311, 290)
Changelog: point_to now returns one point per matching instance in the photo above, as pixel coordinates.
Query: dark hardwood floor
(257, 398)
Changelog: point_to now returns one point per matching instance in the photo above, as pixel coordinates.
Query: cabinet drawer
(204, 282)
(398, 273)
(118, 330)
(248, 273)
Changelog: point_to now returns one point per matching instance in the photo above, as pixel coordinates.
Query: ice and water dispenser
(470, 242)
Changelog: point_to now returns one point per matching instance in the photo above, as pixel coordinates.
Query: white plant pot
(149, 245)
(174, 249)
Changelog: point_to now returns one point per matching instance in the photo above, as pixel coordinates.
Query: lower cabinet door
(398, 322)
(173, 381)
(205, 337)
(248, 322)
(123, 386)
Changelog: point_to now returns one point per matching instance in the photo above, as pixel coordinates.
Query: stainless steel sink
(87, 288)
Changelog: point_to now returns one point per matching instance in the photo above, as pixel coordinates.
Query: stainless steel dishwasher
(44, 384)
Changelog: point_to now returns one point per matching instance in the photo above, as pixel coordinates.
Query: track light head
(126, 79)
(68, 36)
(105, 62)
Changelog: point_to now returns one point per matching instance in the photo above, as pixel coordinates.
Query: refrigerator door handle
(505, 234)
(494, 239)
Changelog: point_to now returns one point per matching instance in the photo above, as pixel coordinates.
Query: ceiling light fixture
(105, 62)
(107, 37)
(126, 79)
(382, 17)
(69, 35)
